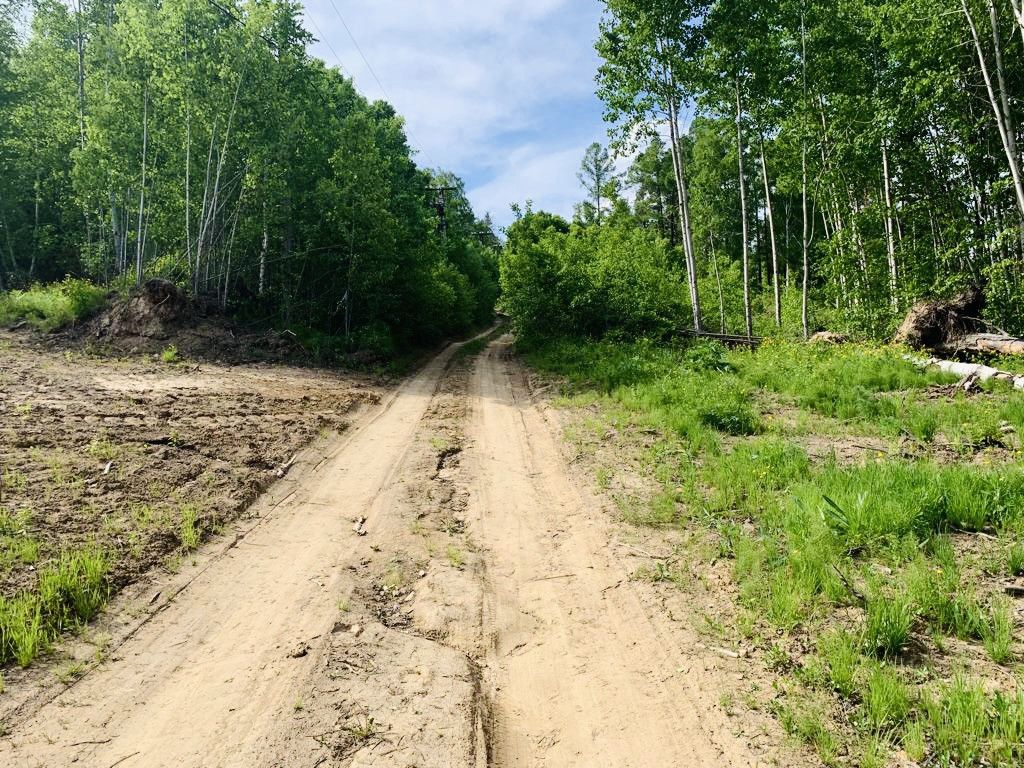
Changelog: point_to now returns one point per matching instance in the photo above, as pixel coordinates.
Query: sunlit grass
(868, 535)
(50, 307)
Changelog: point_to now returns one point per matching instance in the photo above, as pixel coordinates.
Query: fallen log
(970, 370)
(987, 342)
(727, 339)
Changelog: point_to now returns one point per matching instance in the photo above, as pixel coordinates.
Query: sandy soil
(100, 451)
(431, 588)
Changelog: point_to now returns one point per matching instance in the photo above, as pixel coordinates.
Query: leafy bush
(51, 307)
(588, 281)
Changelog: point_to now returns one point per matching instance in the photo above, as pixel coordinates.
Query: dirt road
(481, 615)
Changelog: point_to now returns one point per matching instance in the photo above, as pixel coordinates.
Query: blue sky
(500, 92)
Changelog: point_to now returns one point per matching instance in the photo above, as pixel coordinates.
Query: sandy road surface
(209, 681)
(578, 673)
(531, 649)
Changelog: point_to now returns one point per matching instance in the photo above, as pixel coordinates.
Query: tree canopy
(199, 141)
(816, 164)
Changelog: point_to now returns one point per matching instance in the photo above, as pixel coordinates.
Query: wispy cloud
(501, 92)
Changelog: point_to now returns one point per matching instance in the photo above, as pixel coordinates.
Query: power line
(380, 85)
(325, 41)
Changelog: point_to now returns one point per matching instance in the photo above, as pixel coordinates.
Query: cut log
(970, 370)
(827, 337)
(988, 342)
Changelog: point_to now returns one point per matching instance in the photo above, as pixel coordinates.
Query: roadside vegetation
(871, 512)
(205, 146)
(51, 307)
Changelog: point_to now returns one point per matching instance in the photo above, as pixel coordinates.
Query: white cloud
(498, 91)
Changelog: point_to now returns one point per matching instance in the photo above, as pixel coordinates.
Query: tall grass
(69, 592)
(51, 307)
(809, 537)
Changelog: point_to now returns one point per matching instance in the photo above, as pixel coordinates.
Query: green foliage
(189, 530)
(841, 653)
(588, 281)
(969, 727)
(875, 114)
(863, 554)
(51, 307)
(843, 382)
(998, 634)
(887, 701)
(889, 622)
(69, 592)
(209, 148)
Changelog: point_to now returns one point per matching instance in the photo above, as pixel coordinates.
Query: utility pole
(441, 206)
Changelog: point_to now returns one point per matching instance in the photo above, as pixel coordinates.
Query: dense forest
(797, 165)
(196, 140)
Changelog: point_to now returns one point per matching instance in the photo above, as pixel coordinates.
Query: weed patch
(69, 592)
(876, 559)
(51, 307)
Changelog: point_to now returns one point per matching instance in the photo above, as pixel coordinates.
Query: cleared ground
(430, 588)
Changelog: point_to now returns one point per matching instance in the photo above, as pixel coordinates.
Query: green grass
(68, 593)
(189, 531)
(51, 307)
(888, 625)
(872, 536)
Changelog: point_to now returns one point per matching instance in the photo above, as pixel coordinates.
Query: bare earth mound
(159, 315)
(933, 324)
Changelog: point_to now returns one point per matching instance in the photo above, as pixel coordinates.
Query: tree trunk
(188, 158)
(748, 315)
(772, 237)
(35, 229)
(684, 215)
(890, 234)
(805, 302)
(80, 48)
(231, 245)
(1000, 107)
(718, 282)
(142, 186)
(806, 244)
(985, 342)
(264, 247)
(1018, 13)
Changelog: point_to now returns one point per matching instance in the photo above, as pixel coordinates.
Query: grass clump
(189, 530)
(888, 625)
(841, 654)
(887, 701)
(869, 550)
(51, 307)
(998, 633)
(969, 727)
(69, 592)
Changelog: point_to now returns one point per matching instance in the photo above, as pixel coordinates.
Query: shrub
(51, 307)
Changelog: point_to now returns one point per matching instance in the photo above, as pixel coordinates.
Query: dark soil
(112, 453)
(159, 315)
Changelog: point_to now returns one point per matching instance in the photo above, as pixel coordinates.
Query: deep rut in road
(432, 589)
